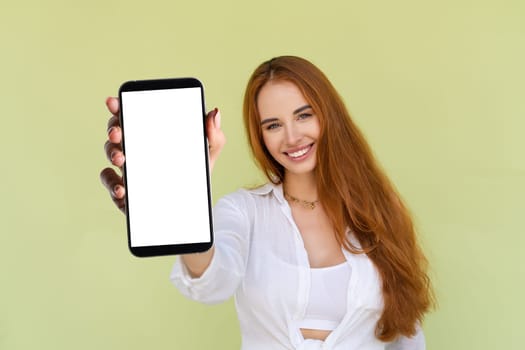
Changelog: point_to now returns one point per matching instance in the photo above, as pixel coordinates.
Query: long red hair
(355, 193)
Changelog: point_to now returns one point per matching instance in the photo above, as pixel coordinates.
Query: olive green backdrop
(437, 86)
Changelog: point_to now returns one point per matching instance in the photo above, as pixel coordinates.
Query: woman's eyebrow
(297, 111)
(300, 109)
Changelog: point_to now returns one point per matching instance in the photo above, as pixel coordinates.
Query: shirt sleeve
(231, 230)
(417, 342)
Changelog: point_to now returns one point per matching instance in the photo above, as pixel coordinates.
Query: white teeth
(299, 153)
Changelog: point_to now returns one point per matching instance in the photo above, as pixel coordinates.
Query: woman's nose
(293, 135)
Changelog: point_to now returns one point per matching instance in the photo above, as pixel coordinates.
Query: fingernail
(217, 119)
(117, 158)
(213, 113)
(110, 130)
(116, 189)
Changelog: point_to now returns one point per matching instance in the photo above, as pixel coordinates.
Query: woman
(325, 255)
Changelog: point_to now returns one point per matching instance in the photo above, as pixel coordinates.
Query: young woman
(324, 256)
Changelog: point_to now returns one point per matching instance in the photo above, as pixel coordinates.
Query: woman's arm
(225, 271)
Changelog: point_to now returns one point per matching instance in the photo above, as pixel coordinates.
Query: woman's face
(289, 126)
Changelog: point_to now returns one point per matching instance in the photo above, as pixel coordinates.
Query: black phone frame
(168, 249)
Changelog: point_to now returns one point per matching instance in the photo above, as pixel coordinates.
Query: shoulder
(247, 204)
(252, 199)
(252, 194)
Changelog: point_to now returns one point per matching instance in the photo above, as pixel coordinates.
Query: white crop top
(327, 300)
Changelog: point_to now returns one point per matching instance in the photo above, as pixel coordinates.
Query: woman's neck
(303, 186)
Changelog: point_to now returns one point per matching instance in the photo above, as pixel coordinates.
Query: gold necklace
(303, 203)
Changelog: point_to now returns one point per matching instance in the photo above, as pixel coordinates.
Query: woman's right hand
(113, 148)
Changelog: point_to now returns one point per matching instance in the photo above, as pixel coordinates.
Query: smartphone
(166, 172)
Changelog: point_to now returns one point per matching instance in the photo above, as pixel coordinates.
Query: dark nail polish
(213, 113)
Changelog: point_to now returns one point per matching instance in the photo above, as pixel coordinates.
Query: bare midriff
(318, 334)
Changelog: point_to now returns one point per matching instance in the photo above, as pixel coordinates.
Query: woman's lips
(299, 153)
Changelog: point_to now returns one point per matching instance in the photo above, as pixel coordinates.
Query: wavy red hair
(355, 193)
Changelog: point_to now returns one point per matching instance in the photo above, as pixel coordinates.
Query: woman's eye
(272, 126)
(304, 116)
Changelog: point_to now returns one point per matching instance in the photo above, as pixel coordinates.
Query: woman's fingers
(113, 146)
(113, 105)
(114, 130)
(216, 138)
(113, 183)
(114, 153)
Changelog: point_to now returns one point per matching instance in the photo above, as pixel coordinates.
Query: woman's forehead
(279, 99)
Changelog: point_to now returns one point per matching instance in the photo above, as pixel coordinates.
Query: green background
(437, 87)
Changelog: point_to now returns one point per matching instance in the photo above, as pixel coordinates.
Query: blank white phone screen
(166, 178)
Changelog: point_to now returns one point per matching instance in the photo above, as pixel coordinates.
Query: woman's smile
(299, 153)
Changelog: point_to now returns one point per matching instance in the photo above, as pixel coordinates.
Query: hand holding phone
(166, 173)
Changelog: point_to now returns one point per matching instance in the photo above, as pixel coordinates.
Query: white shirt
(260, 259)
